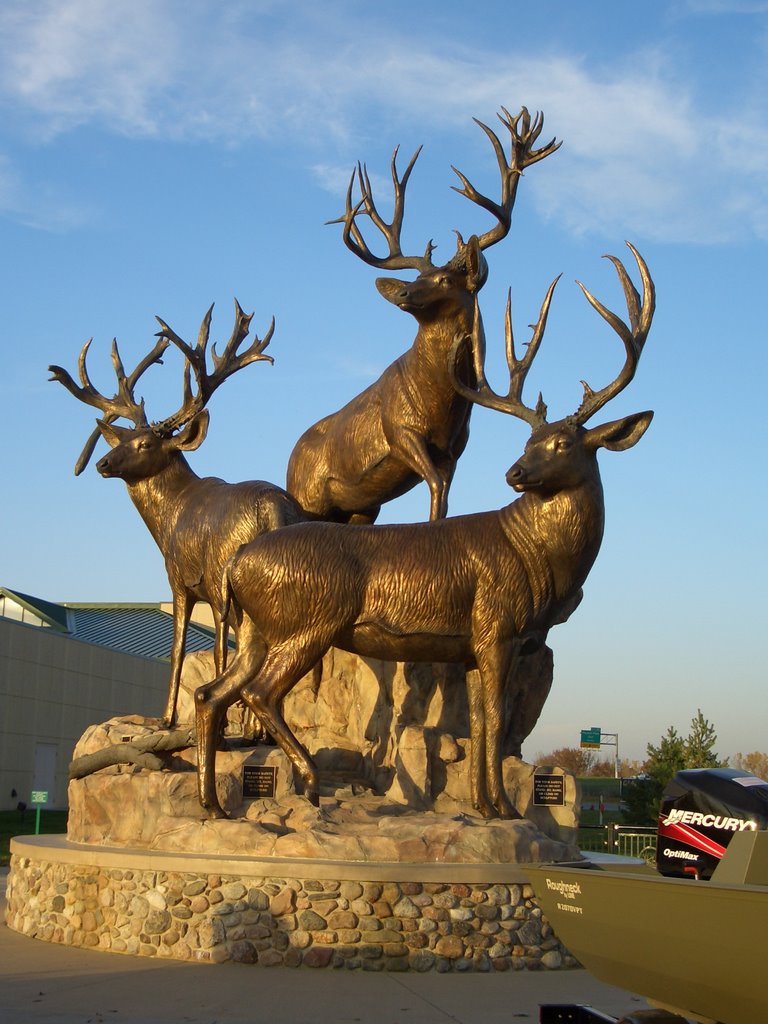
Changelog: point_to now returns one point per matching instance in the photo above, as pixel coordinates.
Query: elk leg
(365, 518)
(495, 663)
(211, 703)
(183, 603)
(411, 448)
(281, 671)
(445, 466)
(478, 790)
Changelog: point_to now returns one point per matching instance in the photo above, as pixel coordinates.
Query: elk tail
(225, 604)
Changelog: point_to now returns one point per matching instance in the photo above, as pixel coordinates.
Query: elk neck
(428, 356)
(557, 537)
(161, 498)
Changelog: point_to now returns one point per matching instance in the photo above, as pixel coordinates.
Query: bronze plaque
(549, 790)
(259, 781)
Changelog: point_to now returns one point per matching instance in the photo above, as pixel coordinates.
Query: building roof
(144, 630)
(55, 615)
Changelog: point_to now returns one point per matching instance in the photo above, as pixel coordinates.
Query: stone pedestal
(280, 912)
(394, 871)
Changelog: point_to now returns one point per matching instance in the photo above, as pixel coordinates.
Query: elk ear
(193, 435)
(477, 267)
(618, 435)
(114, 435)
(389, 287)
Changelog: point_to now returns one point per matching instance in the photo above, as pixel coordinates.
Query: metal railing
(635, 841)
(624, 840)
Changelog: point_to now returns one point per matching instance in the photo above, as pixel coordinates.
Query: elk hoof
(510, 814)
(507, 810)
(310, 787)
(215, 811)
(486, 810)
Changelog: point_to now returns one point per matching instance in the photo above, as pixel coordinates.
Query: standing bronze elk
(410, 424)
(477, 589)
(197, 523)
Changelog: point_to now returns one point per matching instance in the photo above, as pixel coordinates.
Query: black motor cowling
(701, 810)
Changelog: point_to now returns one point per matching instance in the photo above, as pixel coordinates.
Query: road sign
(590, 738)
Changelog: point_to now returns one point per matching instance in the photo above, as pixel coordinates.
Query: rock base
(159, 810)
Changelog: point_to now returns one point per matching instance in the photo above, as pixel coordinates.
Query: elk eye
(562, 444)
(144, 445)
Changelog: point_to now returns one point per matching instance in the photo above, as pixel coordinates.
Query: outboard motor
(701, 809)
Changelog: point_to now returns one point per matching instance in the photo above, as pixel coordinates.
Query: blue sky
(157, 156)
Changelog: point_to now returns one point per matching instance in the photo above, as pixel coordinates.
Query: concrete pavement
(42, 983)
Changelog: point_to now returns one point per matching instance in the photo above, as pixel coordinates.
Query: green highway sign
(590, 738)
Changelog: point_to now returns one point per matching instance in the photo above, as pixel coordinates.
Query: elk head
(561, 455)
(467, 271)
(144, 450)
(140, 453)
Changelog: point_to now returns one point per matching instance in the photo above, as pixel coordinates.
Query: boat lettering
(568, 889)
(570, 908)
(678, 817)
(681, 854)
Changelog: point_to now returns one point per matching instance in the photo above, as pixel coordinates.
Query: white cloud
(82, 60)
(639, 152)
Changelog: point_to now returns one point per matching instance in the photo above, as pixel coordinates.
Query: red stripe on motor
(689, 836)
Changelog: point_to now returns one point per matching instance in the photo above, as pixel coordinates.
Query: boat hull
(697, 947)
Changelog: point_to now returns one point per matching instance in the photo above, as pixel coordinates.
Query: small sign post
(38, 798)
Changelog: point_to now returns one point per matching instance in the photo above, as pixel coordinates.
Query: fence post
(613, 832)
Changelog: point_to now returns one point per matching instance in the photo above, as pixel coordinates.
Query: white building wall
(51, 688)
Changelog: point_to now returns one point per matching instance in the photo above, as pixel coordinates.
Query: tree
(755, 762)
(578, 760)
(699, 747)
(666, 759)
(673, 754)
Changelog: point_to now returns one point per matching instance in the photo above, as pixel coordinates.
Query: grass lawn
(13, 824)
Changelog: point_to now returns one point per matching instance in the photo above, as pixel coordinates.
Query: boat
(694, 943)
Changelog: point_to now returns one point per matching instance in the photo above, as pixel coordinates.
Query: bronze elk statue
(476, 589)
(411, 424)
(198, 523)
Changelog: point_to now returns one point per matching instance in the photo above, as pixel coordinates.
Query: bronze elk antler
(524, 133)
(122, 405)
(522, 155)
(229, 362)
(633, 336)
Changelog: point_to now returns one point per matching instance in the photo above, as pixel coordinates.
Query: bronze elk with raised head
(410, 424)
(198, 523)
(476, 589)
